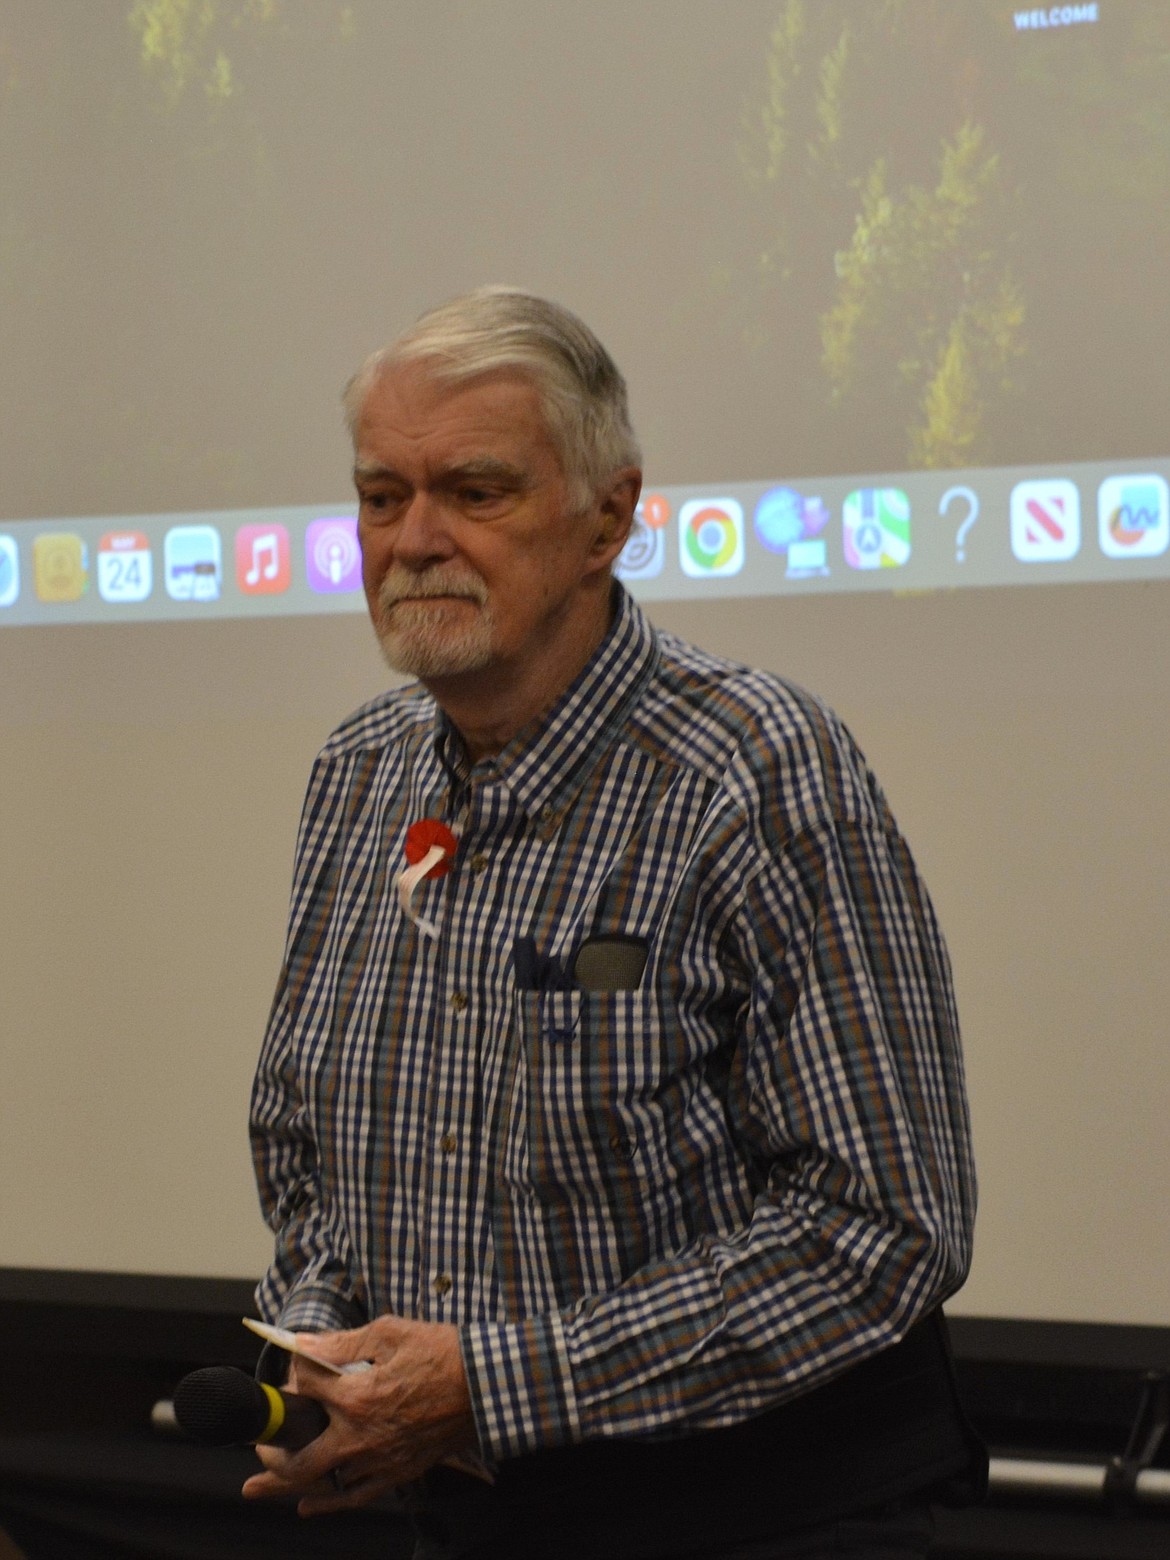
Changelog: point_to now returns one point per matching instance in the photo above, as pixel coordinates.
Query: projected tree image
(198, 47)
(924, 286)
(919, 174)
(184, 44)
(835, 238)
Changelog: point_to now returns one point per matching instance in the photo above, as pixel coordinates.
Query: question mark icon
(966, 496)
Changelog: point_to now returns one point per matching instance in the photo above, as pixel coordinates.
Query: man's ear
(616, 514)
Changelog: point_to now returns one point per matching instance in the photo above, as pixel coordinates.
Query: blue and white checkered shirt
(649, 1210)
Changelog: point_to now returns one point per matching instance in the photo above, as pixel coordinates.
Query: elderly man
(629, 1142)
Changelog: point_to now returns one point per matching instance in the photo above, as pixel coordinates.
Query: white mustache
(400, 585)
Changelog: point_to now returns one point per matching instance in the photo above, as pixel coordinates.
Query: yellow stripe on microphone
(275, 1414)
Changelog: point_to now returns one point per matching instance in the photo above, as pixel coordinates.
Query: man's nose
(422, 533)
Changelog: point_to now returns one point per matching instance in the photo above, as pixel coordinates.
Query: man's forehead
(409, 415)
(418, 393)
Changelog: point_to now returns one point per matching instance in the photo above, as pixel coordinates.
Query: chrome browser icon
(710, 537)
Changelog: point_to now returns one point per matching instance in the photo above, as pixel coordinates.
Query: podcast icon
(333, 555)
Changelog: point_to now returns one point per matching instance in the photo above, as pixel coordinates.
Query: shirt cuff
(521, 1385)
(317, 1308)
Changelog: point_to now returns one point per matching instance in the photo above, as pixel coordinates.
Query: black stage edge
(84, 1477)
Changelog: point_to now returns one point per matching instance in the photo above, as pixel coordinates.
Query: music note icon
(263, 560)
(263, 547)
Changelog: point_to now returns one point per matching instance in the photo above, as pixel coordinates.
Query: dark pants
(845, 1472)
(900, 1532)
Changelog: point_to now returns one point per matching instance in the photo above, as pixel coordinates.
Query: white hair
(499, 329)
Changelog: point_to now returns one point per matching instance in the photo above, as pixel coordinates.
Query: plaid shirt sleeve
(312, 1284)
(846, 1089)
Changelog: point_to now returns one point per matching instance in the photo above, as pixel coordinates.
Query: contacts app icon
(60, 566)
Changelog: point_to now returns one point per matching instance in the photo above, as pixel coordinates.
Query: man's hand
(387, 1425)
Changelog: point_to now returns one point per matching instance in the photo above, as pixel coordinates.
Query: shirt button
(478, 862)
(621, 1147)
(448, 1142)
(442, 1283)
(458, 1000)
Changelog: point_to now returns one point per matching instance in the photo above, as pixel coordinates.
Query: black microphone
(222, 1406)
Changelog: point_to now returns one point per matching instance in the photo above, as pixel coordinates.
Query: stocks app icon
(333, 558)
(1133, 516)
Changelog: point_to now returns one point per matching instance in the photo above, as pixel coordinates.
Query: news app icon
(710, 537)
(263, 560)
(333, 555)
(876, 527)
(60, 566)
(193, 563)
(1046, 520)
(124, 570)
(645, 551)
(9, 571)
(1133, 517)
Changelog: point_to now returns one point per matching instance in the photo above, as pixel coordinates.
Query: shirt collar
(547, 762)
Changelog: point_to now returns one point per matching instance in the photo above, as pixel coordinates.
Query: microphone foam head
(221, 1406)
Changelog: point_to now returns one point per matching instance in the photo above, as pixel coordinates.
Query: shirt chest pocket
(597, 1090)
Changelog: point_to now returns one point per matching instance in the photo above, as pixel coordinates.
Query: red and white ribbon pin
(429, 847)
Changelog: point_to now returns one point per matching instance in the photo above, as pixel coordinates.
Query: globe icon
(779, 518)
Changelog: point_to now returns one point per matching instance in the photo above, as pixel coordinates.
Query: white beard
(427, 640)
